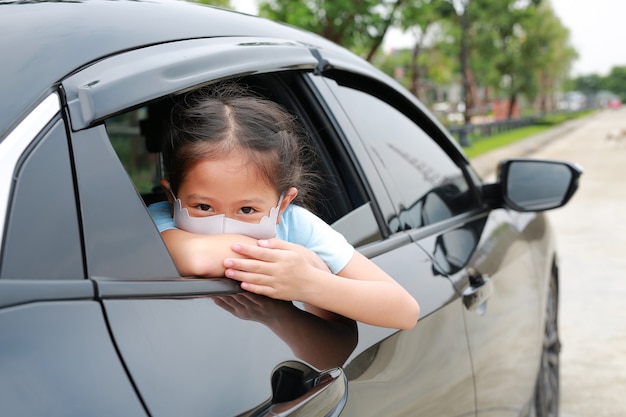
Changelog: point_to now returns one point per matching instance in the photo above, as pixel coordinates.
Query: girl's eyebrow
(197, 196)
(251, 200)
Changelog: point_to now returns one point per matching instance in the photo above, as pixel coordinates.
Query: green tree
(616, 82)
(503, 38)
(359, 25)
(220, 3)
(423, 18)
(549, 43)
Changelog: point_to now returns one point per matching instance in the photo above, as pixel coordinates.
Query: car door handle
(476, 295)
(321, 394)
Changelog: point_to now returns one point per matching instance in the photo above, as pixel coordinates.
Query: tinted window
(121, 241)
(130, 146)
(43, 240)
(424, 182)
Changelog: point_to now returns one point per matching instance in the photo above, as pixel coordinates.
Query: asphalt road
(591, 237)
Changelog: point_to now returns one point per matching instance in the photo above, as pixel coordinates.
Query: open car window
(341, 198)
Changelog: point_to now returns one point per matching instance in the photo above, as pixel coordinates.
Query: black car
(95, 320)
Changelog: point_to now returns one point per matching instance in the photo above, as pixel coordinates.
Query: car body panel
(39, 340)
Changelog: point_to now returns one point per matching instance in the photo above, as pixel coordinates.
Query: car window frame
(118, 83)
(91, 93)
(15, 144)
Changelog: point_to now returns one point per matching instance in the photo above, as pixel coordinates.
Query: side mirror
(537, 185)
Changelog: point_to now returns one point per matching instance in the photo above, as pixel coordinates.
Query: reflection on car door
(506, 338)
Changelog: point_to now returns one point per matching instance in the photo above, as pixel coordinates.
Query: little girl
(234, 171)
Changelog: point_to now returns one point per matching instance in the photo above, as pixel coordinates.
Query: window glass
(424, 182)
(132, 148)
(43, 240)
(120, 237)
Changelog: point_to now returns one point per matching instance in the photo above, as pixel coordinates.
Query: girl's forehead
(234, 171)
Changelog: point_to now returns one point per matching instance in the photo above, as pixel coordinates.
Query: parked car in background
(95, 319)
(614, 103)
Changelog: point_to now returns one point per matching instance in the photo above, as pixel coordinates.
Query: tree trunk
(473, 100)
(379, 39)
(415, 71)
(512, 103)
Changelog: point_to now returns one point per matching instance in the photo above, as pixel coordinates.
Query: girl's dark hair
(210, 122)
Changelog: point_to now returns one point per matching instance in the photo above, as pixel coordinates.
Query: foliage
(359, 25)
(219, 3)
(516, 48)
(422, 18)
(616, 82)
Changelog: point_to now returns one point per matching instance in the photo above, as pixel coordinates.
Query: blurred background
(483, 67)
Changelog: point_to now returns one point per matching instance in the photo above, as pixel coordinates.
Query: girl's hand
(311, 257)
(273, 268)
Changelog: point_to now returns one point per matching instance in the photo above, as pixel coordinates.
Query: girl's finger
(247, 265)
(243, 276)
(255, 252)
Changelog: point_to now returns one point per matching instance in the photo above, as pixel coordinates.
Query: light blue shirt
(297, 225)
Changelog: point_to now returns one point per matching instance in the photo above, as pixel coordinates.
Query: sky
(597, 32)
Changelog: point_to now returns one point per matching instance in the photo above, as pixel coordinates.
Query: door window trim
(133, 78)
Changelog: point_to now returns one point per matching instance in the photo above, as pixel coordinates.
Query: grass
(482, 145)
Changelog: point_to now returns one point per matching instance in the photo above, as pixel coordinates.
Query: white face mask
(219, 223)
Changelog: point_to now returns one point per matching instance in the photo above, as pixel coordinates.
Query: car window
(120, 237)
(42, 234)
(130, 146)
(427, 186)
(341, 199)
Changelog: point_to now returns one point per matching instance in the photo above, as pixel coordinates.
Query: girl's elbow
(412, 315)
(199, 266)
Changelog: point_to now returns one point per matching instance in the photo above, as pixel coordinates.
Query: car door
(191, 346)
(56, 354)
(427, 370)
(490, 257)
(506, 333)
(183, 340)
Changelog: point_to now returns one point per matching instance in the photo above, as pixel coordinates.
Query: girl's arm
(201, 255)
(361, 291)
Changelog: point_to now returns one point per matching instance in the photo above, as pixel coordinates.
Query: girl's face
(232, 186)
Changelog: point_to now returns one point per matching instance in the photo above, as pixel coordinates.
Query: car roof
(52, 39)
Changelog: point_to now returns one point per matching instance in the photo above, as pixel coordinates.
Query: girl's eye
(247, 210)
(205, 207)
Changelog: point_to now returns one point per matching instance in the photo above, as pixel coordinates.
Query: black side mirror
(537, 185)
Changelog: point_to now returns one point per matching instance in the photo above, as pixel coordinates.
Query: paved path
(591, 235)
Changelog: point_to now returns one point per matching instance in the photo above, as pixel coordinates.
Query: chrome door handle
(476, 295)
(325, 393)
